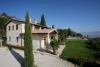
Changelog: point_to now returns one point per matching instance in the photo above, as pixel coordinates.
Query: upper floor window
(42, 28)
(36, 27)
(9, 28)
(12, 27)
(17, 27)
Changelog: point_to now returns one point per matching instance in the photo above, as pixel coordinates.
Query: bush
(91, 64)
(54, 43)
(94, 44)
(55, 46)
(97, 55)
(84, 62)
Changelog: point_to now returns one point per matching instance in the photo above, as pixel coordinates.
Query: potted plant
(54, 45)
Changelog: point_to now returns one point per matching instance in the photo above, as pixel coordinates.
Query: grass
(76, 49)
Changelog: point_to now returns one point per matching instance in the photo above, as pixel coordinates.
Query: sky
(79, 15)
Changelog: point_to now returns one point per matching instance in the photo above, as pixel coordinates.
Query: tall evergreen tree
(43, 22)
(28, 50)
(4, 18)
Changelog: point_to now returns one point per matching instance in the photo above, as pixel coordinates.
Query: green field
(76, 49)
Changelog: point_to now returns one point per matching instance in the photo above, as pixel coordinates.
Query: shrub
(91, 64)
(84, 62)
(97, 55)
(55, 46)
(54, 43)
(94, 44)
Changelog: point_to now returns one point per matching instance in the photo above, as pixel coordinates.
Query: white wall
(49, 39)
(13, 34)
(23, 28)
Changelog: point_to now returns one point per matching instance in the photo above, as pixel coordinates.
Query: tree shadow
(18, 57)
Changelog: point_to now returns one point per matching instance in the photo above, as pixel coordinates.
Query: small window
(9, 28)
(12, 27)
(17, 27)
(17, 39)
(9, 38)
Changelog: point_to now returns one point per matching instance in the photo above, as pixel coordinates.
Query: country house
(41, 35)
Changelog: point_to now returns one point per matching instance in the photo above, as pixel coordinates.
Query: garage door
(36, 44)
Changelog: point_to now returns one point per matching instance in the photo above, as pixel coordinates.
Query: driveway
(44, 59)
(7, 59)
(15, 58)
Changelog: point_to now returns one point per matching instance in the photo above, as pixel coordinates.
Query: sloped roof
(14, 19)
(39, 25)
(44, 31)
(19, 21)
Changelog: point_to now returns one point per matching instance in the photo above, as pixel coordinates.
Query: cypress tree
(28, 50)
(43, 22)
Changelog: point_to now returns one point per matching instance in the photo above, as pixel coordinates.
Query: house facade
(41, 35)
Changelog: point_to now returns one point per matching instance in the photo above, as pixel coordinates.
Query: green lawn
(77, 49)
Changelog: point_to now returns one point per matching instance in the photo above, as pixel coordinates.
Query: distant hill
(92, 34)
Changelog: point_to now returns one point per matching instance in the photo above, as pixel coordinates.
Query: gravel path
(47, 60)
(7, 59)
(42, 59)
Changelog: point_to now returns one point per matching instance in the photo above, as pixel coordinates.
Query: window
(9, 38)
(9, 28)
(12, 27)
(17, 39)
(17, 27)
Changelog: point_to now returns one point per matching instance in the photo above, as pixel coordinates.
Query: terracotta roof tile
(44, 31)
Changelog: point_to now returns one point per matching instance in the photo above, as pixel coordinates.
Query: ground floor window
(9, 38)
(17, 39)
